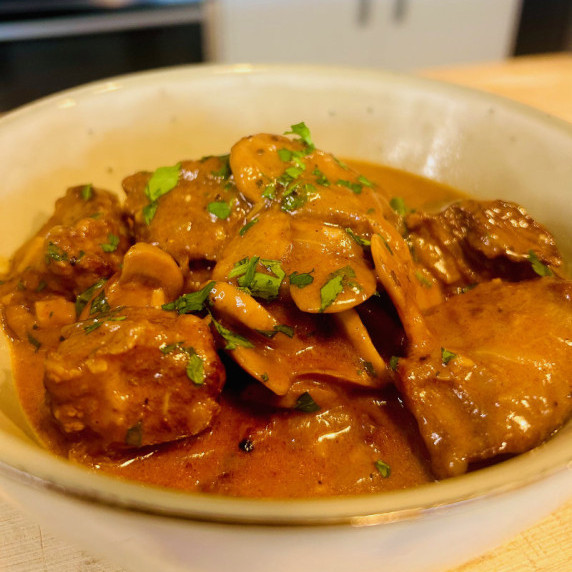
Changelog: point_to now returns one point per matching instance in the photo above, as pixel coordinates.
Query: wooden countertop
(544, 82)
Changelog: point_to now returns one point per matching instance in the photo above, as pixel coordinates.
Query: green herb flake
(423, 280)
(361, 241)
(301, 280)
(232, 339)
(170, 348)
(383, 468)
(41, 285)
(330, 291)
(285, 155)
(192, 302)
(306, 403)
(86, 192)
(162, 181)
(540, 268)
(224, 172)
(368, 367)
(112, 243)
(270, 191)
(280, 328)
(393, 362)
(246, 278)
(264, 377)
(149, 212)
(447, 356)
(365, 181)
(221, 209)
(294, 172)
(55, 253)
(247, 227)
(99, 304)
(36, 343)
(321, 179)
(398, 205)
(195, 367)
(83, 298)
(134, 435)
(354, 187)
(302, 131)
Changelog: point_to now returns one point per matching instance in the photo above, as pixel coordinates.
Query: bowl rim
(40, 469)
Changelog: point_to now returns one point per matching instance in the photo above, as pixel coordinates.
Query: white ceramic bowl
(486, 146)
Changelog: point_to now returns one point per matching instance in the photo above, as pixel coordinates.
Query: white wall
(396, 34)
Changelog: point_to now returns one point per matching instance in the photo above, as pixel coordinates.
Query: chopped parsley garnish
(383, 468)
(100, 320)
(232, 339)
(99, 304)
(301, 280)
(447, 356)
(393, 362)
(83, 298)
(335, 286)
(398, 205)
(112, 243)
(280, 328)
(368, 367)
(330, 291)
(86, 192)
(365, 181)
(361, 241)
(303, 132)
(192, 302)
(41, 285)
(270, 191)
(149, 212)
(54, 252)
(169, 348)
(224, 172)
(162, 181)
(321, 179)
(423, 280)
(195, 367)
(247, 226)
(540, 268)
(134, 435)
(221, 209)
(354, 187)
(264, 377)
(306, 403)
(259, 284)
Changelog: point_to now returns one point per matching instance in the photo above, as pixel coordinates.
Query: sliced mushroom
(152, 267)
(342, 276)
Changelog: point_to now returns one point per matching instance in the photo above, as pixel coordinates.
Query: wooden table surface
(541, 81)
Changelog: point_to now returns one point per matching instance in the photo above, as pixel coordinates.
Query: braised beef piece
(497, 377)
(133, 377)
(194, 219)
(473, 241)
(84, 240)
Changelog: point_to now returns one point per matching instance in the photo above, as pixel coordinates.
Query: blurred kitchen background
(50, 45)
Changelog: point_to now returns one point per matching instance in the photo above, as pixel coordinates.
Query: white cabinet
(395, 34)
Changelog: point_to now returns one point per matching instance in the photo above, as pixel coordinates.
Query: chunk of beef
(498, 378)
(193, 220)
(134, 377)
(84, 240)
(472, 241)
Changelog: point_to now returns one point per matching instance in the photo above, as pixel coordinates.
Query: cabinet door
(397, 34)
